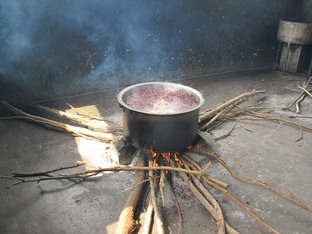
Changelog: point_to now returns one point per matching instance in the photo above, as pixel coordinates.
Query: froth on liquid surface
(162, 100)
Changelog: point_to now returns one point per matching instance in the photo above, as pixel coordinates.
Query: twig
(276, 118)
(227, 134)
(301, 96)
(228, 103)
(158, 216)
(38, 180)
(105, 137)
(47, 173)
(258, 183)
(88, 173)
(205, 203)
(236, 201)
(143, 181)
(298, 103)
(85, 114)
(205, 126)
(193, 163)
(250, 212)
(304, 90)
(217, 209)
(95, 125)
(138, 168)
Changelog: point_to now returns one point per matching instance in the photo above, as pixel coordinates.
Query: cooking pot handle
(122, 107)
(132, 113)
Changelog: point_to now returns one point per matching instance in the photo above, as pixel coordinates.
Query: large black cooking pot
(168, 132)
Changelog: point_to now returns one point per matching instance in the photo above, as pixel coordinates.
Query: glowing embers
(166, 159)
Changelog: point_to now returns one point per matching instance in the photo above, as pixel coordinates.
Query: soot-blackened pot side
(160, 132)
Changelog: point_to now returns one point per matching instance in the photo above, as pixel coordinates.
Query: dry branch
(214, 111)
(83, 113)
(304, 90)
(217, 209)
(205, 203)
(195, 165)
(126, 223)
(258, 183)
(162, 185)
(158, 215)
(300, 98)
(93, 124)
(240, 204)
(275, 118)
(148, 218)
(249, 211)
(89, 173)
(78, 131)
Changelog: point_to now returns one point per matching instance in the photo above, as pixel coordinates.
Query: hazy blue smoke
(48, 42)
(55, 47)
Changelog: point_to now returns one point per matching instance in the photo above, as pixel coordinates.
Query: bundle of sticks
(90, 127)
(233, 110)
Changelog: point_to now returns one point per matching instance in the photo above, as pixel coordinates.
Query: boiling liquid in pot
(162, 100)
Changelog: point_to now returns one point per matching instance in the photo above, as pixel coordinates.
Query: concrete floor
(271, 152)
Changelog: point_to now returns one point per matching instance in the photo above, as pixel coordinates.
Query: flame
(189, 147)
(166, 159)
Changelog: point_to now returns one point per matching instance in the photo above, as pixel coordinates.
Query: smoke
(59, 47)
(52, 45)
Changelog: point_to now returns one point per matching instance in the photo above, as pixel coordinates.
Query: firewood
(217, 214)
(148, 218)
(301, 97)
(93, 124)
(158, 216)
(219, 108)
(78, 131)
(162, 185)
(258, 183)
(126, 223)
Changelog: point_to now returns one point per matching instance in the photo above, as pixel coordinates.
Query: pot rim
(193, 91)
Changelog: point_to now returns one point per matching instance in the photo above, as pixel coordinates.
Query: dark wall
(304, 11)
(52, 48)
